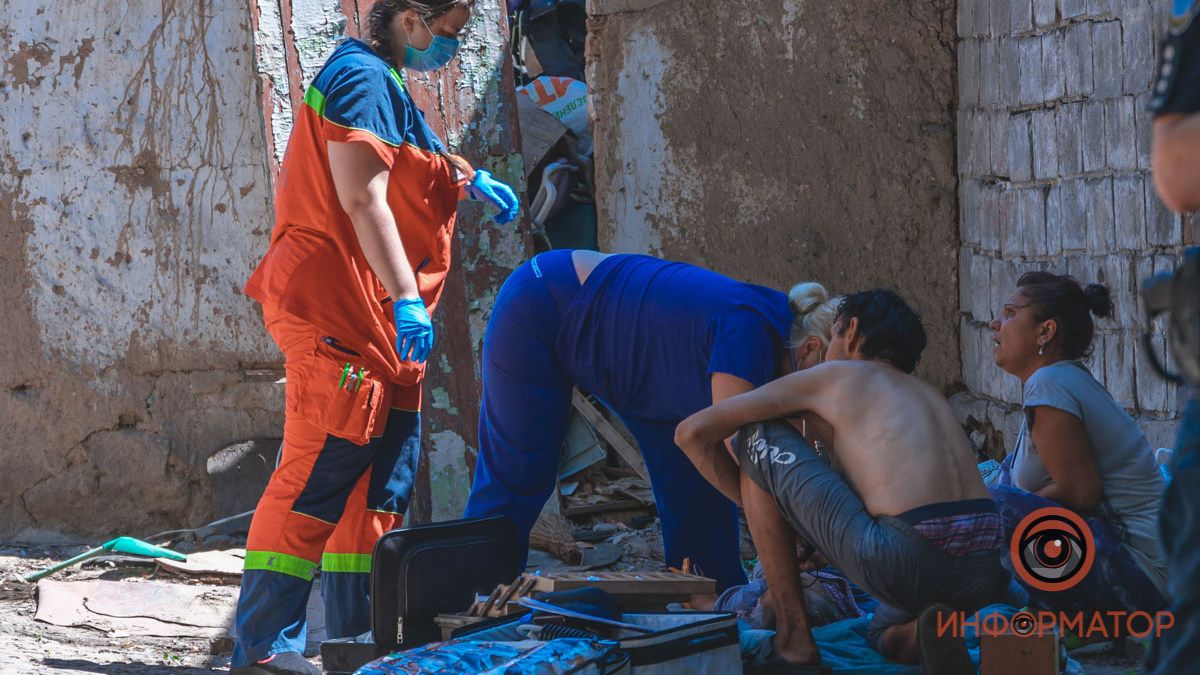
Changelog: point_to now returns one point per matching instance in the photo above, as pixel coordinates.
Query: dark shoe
(945, 655)
(283, 663)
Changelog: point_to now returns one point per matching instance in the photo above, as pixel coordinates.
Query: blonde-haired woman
(656, 341)
(813, 312)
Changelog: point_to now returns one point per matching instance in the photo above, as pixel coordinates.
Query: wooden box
(1011, 653)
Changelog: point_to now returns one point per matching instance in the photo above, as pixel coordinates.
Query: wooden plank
(628, 583)
(608, 507)
(610, 433)
(543, 136)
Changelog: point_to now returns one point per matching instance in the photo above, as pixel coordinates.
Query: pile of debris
(603, 515)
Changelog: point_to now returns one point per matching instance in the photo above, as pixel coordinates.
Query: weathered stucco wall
(1054, 162)
(134, 199)
(784, 141)
(138, 149)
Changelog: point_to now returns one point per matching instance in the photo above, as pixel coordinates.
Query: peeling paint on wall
(471, 105)
(652, 188)
(271, 64)
(448, 473)
(318, 26)
(135, 202)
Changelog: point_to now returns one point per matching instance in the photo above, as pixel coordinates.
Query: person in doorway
(1077, 447)
(1176, 162)
(365, 211)
(655, 340)
(902, 511)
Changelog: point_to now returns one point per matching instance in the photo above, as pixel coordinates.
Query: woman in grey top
(1077, 449)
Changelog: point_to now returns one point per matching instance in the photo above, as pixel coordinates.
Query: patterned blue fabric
(1115, 582)
(511, 658)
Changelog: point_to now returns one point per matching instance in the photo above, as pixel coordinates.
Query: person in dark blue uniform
(656, 341)
(1176, 161)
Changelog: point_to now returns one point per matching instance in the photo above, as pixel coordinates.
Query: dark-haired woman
(365, 211)
(1077, 449)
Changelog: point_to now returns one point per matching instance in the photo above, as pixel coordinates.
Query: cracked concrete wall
(784, 141)
(1054, 164)
(134, 201)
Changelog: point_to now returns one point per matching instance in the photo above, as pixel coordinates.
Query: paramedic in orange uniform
(365, 211)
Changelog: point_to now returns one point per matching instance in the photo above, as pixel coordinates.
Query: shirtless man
(905, 514)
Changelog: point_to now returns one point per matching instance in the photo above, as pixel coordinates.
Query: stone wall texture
(1054, 174)
(784, 141)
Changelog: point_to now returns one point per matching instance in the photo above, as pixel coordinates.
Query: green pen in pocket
(345, 372)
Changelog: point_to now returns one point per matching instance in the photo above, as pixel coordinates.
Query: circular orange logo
(1052, 549)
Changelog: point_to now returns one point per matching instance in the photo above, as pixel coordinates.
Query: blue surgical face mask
(437, 54)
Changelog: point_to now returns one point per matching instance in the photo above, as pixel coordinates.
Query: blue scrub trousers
(523, 421)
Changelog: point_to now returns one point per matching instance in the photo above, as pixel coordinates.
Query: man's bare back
(893, 437)
(896, 447)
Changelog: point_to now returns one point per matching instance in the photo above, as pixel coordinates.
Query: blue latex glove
(414, 330)
(486, 188)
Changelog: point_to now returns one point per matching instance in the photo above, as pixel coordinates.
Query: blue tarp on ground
(845, 649)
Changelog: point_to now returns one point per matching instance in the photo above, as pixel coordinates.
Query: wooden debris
(626, 504)
(611, 434)
(627, 583)
(451, 622)
(552, 533)
(631, 590)
(502, 601)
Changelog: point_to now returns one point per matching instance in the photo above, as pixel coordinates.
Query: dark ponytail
(1098, 299)
(1062, 298)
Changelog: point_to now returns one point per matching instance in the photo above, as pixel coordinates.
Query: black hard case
(420, 572)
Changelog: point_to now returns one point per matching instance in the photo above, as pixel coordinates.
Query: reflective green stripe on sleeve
(314, 99)
(280, 562)
(346, 562)
(397, 77)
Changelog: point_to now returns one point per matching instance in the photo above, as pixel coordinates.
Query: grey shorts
(885, 555)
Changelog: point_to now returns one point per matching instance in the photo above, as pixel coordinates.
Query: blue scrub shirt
(646, 334)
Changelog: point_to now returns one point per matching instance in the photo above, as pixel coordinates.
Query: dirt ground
(29, 646)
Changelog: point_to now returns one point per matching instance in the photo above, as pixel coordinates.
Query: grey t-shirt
(1131, 484)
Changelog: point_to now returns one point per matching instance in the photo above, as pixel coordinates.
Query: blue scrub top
(645, 335)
